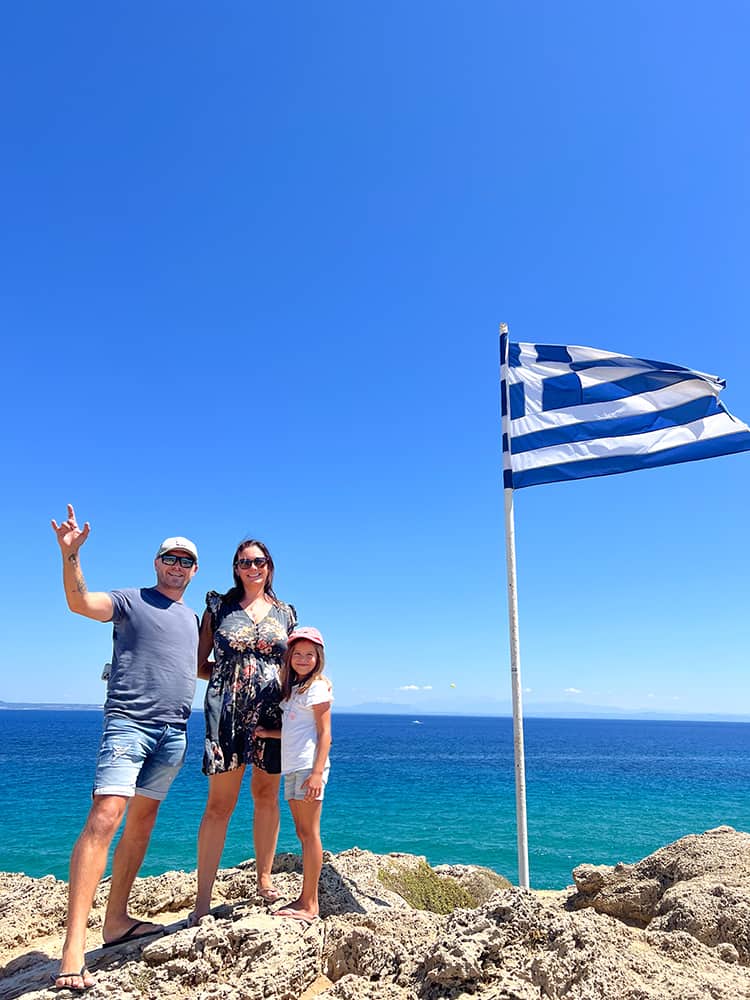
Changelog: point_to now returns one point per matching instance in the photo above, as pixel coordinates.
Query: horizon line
(601, 714)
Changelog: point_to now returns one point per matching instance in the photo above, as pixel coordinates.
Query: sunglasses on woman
(258, 562)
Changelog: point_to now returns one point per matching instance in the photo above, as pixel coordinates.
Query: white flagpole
(515, 648)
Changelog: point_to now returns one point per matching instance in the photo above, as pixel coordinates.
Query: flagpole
(515, 648)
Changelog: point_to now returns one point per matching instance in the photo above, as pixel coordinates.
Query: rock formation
(674, 926)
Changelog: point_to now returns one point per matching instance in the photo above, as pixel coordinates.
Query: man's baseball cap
(305, 632)
(178, 542)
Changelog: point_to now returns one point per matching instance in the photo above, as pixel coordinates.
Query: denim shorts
(137, 758)
(293, 784)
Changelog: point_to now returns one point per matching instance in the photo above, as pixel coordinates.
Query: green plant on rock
(423, 889)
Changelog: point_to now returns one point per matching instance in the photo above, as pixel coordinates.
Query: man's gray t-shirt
(154, 657)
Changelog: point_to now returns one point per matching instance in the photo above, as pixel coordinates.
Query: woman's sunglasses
(258, 562)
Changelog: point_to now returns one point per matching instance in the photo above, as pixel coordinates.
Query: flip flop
(303, 918)
(130, 934)
(269, 895)
(72, 975)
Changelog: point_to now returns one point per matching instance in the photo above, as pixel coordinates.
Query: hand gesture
(69, 536)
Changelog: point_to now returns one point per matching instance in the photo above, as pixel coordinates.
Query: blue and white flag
(575, 412)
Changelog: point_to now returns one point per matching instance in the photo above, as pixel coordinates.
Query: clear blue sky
(254, 261)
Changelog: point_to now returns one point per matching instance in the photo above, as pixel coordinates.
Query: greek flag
(575, 412)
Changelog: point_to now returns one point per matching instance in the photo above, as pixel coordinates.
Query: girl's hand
(313, 785)
(267, 734)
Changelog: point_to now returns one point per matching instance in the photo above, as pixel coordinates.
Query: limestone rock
(353, 987)
(20, 897)
(674, 926)
(699, 884)
(380, 946)
(716, 913)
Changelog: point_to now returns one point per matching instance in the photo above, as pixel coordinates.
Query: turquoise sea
(599, 791)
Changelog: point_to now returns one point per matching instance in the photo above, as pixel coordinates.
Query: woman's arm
(205, 646)
(314, 784)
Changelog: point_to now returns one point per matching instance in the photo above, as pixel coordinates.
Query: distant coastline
(550, 711)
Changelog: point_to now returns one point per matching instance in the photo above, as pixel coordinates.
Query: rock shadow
(337, 893)
(31, 972)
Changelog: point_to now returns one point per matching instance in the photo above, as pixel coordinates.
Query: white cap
(177, 542)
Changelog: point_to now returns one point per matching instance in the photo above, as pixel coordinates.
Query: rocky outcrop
(698, 885)
(675, 925)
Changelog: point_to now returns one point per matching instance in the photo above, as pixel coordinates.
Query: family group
(267, 706)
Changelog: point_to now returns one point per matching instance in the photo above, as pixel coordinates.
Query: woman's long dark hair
(237, 592)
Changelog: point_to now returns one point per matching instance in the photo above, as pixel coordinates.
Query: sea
(598, 791)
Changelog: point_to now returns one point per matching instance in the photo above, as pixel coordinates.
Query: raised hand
(69, 536)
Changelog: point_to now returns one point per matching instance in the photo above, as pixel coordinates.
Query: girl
(306, 698)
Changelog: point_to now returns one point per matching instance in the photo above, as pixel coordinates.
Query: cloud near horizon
(572, 691)
(415, 687)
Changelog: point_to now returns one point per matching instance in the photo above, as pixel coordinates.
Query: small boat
(416, 722)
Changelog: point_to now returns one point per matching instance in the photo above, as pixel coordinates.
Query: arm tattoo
(80, 583)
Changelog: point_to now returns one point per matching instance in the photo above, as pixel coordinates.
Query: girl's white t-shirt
(299, 735)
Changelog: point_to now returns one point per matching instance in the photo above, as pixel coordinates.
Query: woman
(247, 629)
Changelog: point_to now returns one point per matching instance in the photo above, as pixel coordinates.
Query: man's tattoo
(80, 583)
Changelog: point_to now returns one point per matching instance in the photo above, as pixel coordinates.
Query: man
(149, 694)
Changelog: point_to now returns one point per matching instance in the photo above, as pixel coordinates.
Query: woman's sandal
(270, 894)
(292, 914)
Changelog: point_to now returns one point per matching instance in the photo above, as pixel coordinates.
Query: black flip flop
(129, 936)
(72, 975)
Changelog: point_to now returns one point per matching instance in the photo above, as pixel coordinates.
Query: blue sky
(255, 258)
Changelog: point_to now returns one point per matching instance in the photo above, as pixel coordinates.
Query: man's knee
(105, 816)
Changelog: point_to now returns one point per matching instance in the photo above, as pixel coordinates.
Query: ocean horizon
(598, 790)
(542, 710)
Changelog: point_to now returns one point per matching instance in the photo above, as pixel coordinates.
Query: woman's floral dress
(244, 688)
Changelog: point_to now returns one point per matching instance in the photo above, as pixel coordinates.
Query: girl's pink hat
(306, 632)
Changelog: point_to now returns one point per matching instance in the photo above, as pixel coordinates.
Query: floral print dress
(244, 691)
